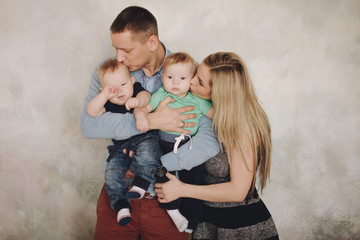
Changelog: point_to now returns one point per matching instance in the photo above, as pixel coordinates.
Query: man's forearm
(108, 125)
(204, 146)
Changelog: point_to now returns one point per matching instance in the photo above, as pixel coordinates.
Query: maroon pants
(148, 221)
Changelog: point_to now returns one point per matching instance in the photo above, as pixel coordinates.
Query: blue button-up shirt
(153, 83)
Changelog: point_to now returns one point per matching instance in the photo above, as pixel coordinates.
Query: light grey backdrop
(304, 59)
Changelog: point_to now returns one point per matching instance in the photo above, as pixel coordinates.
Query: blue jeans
(143, 163)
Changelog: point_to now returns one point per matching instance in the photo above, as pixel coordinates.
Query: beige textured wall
(303, 56)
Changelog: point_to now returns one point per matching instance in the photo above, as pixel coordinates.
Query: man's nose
(120, 55)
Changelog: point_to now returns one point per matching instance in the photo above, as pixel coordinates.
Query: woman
(233, 209)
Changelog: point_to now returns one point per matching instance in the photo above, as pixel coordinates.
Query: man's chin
(132, 68)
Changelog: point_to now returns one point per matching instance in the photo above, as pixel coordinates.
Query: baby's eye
(183, 78)
(123, 84)
(170, 77)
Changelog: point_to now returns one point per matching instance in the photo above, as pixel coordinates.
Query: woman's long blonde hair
(238, 115)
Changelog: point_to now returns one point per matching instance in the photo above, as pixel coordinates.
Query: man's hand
(170, 119)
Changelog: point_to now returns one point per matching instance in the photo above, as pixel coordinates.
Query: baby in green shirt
(179, 69)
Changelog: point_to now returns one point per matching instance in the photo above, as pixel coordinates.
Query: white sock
(123, 216)
(188, 230)
(180, 221)
(136, 192)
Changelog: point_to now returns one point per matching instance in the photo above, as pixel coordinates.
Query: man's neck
(155, 62)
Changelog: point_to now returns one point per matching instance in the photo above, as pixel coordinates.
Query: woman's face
(200, 84)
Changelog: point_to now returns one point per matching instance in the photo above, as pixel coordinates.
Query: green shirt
(202, 106)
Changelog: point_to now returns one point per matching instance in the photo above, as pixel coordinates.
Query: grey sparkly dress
(248, 219)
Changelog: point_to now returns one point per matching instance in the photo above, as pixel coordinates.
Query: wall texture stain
(329, 228)
(304, 60)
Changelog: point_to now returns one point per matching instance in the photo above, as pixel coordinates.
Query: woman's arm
(233, 191)
(210, 113)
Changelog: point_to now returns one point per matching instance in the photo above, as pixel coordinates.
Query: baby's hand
(142, 124)
(132, 103)
(110, 92)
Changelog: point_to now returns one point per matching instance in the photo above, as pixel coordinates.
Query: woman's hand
(169, 119)
(170, 190)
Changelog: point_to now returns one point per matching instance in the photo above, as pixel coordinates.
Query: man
(134, 35)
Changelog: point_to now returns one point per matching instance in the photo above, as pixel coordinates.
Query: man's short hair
(139, 21)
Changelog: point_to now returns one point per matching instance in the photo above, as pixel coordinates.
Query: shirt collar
(167, 53)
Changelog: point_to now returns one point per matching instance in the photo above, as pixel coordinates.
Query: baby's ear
(132, 80)
(100, 89)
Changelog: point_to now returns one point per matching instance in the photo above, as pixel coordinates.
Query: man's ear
(153, 43)
(132, 80)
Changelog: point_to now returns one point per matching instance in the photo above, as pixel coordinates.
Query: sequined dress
(249, 219)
